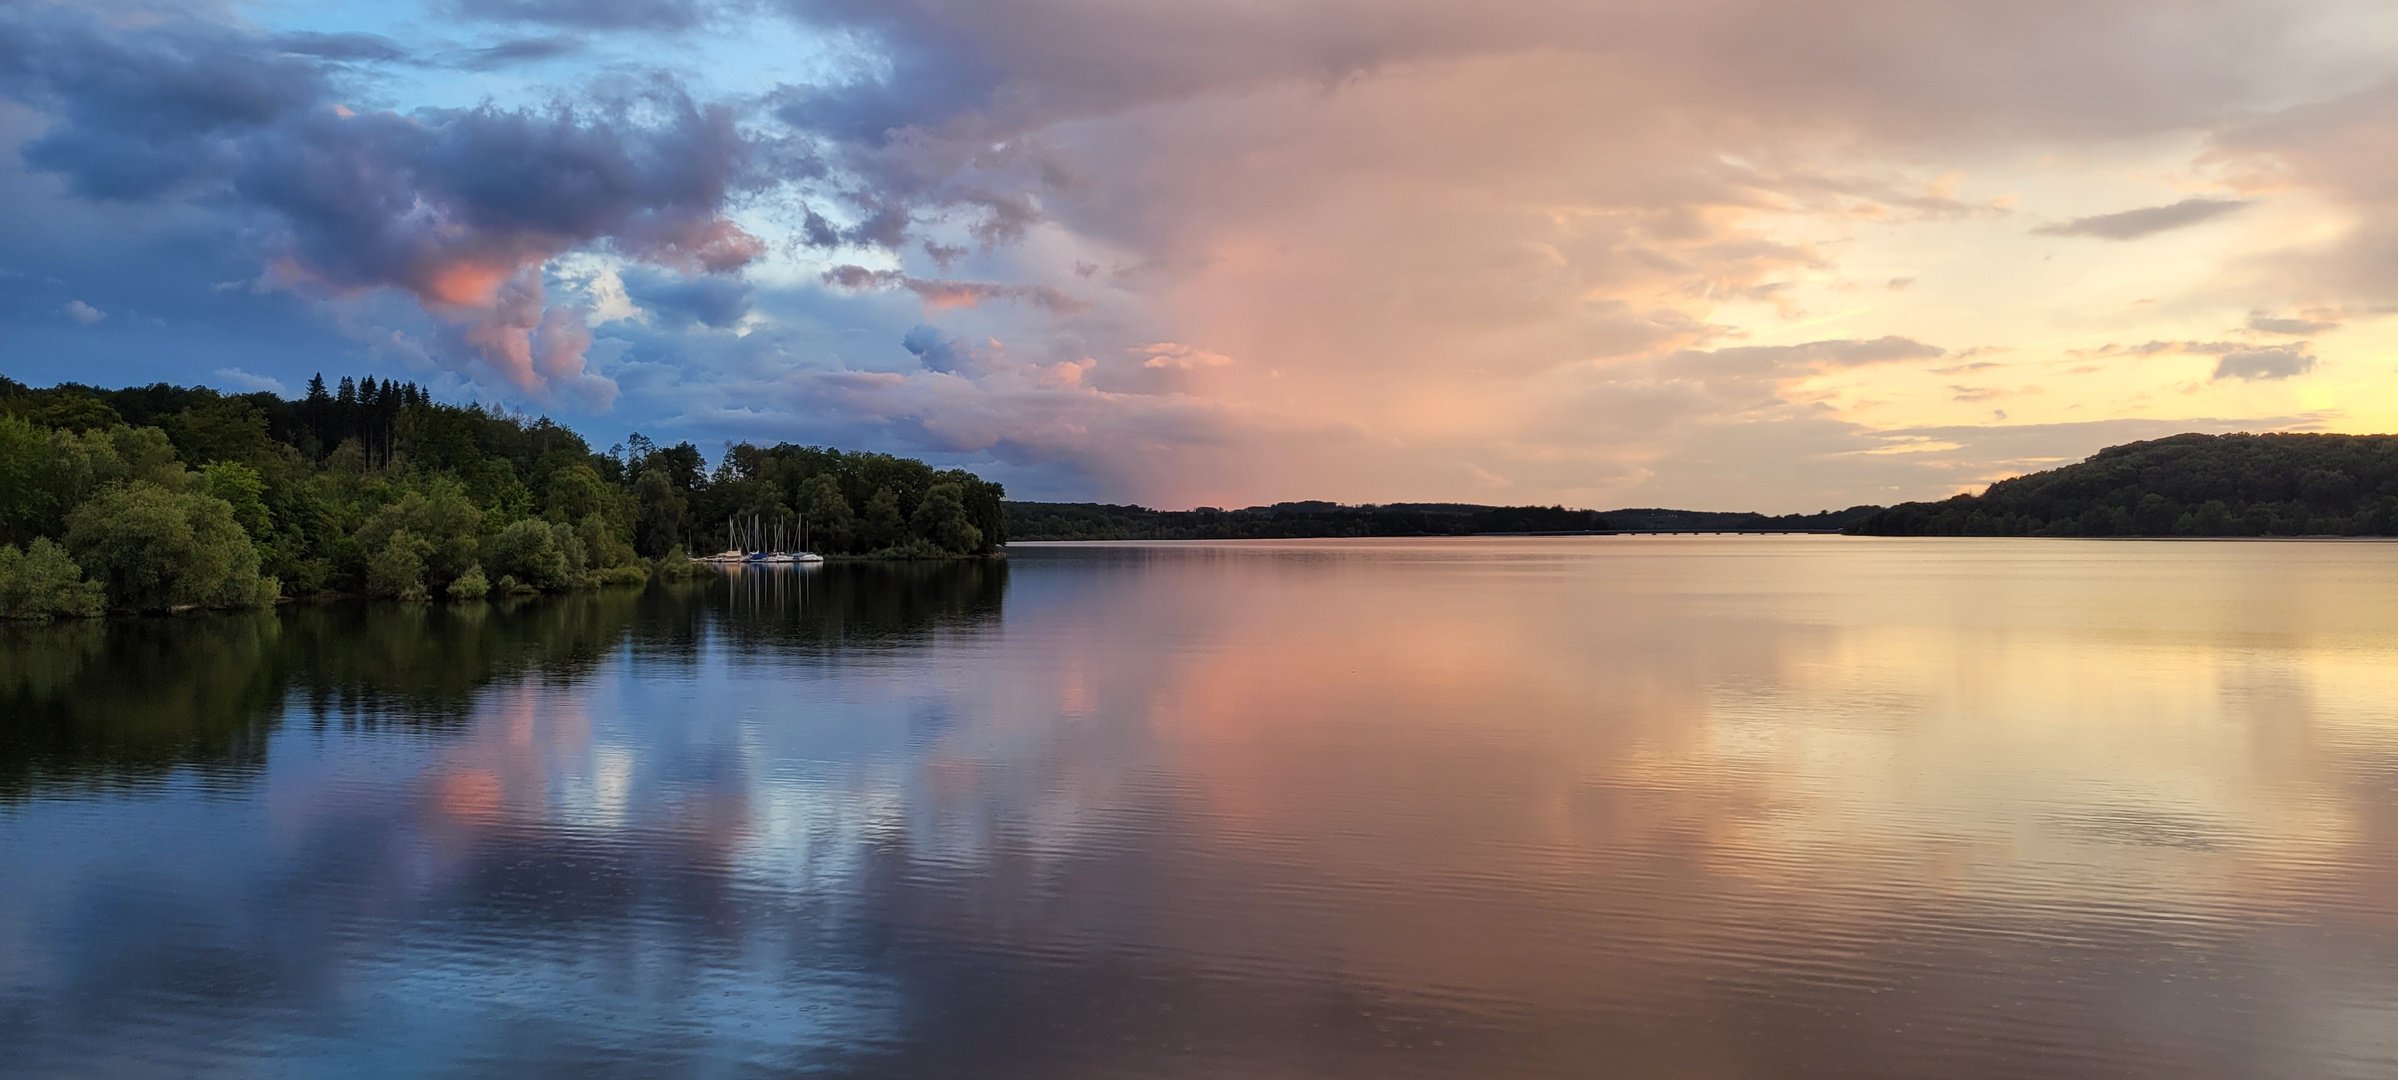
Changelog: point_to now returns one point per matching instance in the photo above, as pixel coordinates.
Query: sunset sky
(1718, 254)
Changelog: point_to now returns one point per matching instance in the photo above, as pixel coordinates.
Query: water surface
(1672, 807)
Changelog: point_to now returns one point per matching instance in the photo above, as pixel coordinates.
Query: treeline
(1660, 520)
(2186, 485)
(1289, 521)
(163, 497)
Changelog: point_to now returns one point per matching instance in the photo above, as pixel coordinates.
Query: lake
(1662, 807)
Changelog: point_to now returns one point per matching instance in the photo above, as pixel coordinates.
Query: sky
(1715, 254)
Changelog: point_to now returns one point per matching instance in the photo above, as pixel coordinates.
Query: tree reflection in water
(106, 703)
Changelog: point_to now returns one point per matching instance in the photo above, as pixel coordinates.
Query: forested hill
(2186, 485)
(1286, 521)
(157, 497)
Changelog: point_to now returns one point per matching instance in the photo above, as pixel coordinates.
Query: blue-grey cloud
(2149, 221)
(345, 46)
(2288, 327)
(2270, 362)
(521, 51)
(587, 14)
(716, 300)
(936, 350)
(457, 207)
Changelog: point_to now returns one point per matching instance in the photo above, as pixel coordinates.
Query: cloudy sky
(1724, 254)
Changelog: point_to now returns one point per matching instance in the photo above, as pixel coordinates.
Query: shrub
(677, 566)
(915, 548)
(528, 553)
(470, 585)
(398, 568)
(623, 575)
(40, 582)
(153, 547)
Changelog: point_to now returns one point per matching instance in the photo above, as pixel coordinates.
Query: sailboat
(803, 555)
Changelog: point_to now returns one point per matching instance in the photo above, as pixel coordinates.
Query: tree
(397, 569)
(528, 551)
(153, 547)
(29, 496)
(240, 486)
(441, 516)
(882, 526)
(658, 513)
(41, 582)
(831, 523)
(941, 519)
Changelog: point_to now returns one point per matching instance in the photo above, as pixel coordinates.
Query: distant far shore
(1051, 522)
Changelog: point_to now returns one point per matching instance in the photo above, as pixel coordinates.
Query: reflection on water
(1751, 807)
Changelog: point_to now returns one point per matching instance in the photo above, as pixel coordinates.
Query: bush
(677, 566)
(915, 548)
(527, 557)
(623, 575)
(470, 585)
(40, 582)
(398, 569)
(442, 519)
(153, 547)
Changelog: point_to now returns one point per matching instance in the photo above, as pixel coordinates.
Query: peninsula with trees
(2185, 485)
(163, 497)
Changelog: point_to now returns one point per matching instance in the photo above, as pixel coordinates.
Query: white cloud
(250, 384)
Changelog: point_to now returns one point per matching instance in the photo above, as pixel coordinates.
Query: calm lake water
(1658, 807)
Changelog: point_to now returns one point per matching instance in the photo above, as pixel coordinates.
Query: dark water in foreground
(1751, 807)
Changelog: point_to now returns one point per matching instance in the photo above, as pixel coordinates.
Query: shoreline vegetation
(166, 498)
(2198, 486)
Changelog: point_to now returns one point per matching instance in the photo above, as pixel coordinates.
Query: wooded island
(158, 497)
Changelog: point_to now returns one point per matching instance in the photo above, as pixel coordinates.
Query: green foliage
(437, 513)
(881, 526)
(914, 548)
(576, 492)
(240, 486)
(223, 429)
(469, 585)
(603, 543)
(659, 513)
(29, 504)
(622, 575)
(2187, 485)
(41, 582)
(853, 504)
(397, 568)
(527, 554)
(154, 547)
(171, 496)
(676, 565)
(831, 523)
(71, 412)
(940, 519)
